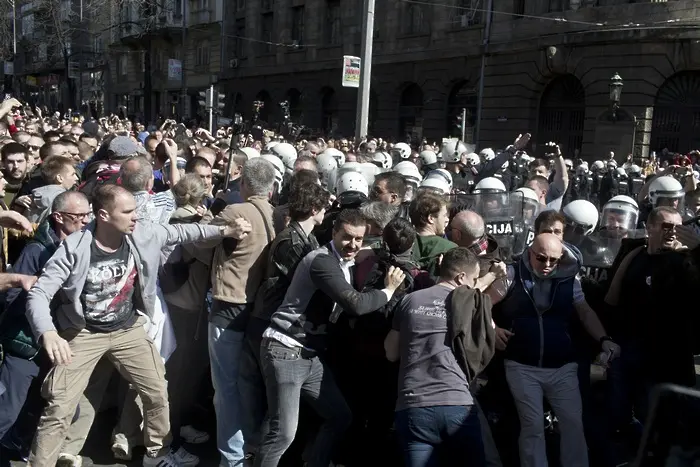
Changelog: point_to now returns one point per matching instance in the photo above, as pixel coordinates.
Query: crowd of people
(349, 303)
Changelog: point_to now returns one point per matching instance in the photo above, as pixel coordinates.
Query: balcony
(202, 17)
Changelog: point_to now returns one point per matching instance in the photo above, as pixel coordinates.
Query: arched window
(413, 19)
(676, 122)
(411, 112)
(562, 114)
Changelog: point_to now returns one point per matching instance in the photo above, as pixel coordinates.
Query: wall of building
(592, 45)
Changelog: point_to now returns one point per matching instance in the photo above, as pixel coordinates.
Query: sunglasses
(544, 259)
(668, 226)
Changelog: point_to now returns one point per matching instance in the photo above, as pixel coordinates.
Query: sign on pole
(351, 71)
(174, 69)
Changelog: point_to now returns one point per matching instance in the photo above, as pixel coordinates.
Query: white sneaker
(191, 435)
(69, 460)
(121, 449)
(169, 460)
(186, 459)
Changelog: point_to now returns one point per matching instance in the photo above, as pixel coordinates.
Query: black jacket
(470, 332)
(286, 252)
(318, 285)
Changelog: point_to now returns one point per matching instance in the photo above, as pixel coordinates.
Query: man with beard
(293, 363)
(14, 163)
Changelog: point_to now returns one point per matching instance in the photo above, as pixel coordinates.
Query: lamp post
(616, 85)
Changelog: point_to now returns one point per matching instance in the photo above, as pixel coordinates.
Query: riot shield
(599, 251)
(504, 215)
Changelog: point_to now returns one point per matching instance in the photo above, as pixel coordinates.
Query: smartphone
(671, 435)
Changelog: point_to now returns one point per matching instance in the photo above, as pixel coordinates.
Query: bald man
(467, 229)
(534, 321)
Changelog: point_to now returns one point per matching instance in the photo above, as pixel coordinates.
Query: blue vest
(541, 338)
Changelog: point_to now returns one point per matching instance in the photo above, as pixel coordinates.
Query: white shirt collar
(343, 263)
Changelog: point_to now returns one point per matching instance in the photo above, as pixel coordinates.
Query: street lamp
(616, 85)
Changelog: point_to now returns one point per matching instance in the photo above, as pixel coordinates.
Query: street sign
(351, 71)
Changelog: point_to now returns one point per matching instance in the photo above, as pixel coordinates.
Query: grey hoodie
(66, 271)
(568, 267)
(42, 199)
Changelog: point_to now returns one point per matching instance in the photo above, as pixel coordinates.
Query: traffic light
(220, 102)
(205, 99)
(459, 122)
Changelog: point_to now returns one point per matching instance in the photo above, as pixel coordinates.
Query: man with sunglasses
(534, 319)
(70, 213)
(651, 316)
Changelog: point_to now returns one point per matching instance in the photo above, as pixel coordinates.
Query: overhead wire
(497, 12)
(628, 23)
(594, 26)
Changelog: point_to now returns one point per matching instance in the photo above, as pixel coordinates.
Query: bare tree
(67, 29)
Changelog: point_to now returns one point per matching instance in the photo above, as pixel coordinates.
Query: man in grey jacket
(105, 277)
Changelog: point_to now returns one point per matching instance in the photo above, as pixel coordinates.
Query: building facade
(539, 66)
(162, 57)
(60, 61)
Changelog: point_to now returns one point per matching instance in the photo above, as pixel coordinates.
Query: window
(177, 11)
(158, 60)
(266, 5)
(64, 11)
(240, 34)
(199, 5)
(42, 55)
(519, 8)
(240, 5)
(413, 19)
(99, 44)
(557, 5)
(267, 25)
(122, 64)
(298, 25)
(142, 59)
(333, 22)
(467, 13)
(202, 55)
(148, 9)
(28, 25)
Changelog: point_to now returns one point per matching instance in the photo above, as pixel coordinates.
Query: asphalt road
(97, 449)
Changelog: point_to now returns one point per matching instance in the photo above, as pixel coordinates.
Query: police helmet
(582, 215)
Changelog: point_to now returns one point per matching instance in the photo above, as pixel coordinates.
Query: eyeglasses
(544, 259)
(77, 215)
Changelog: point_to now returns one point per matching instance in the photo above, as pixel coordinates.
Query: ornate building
(542, 66)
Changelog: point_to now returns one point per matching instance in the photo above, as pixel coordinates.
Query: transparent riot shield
(599, 250)
(504, 216)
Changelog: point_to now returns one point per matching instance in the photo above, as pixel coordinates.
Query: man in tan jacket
(236, 274)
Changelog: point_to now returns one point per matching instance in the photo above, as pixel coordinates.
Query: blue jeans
(224, 353)
(251, 388)
(454, 430)
(17, 375)
(289, 376)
